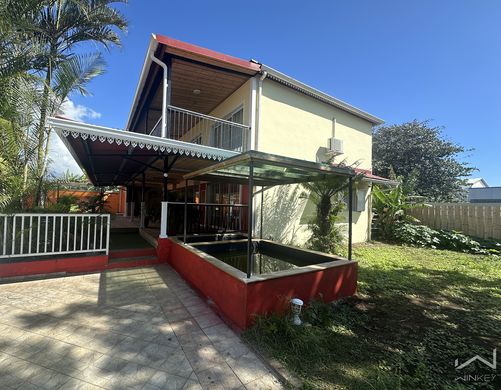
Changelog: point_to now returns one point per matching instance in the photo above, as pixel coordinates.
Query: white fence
(473, 219)
(25, 235)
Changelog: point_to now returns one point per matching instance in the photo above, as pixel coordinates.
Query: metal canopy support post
(132, 200)
(261, 215)
(185, 209)
(350, 216)
(250, 219)
(164, 207)
(127, 201)
(165, 178)
(143, 204)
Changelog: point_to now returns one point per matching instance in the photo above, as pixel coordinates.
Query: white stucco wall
(296, 125)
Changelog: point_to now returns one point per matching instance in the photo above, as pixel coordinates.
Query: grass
(417, 311)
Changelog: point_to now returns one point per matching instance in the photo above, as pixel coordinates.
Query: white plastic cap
(297, 301)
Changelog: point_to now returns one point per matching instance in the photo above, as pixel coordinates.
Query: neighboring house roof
(477, 182)
(251, 68)
(484, 195)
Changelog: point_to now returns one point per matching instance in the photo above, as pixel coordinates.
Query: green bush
(424, 236)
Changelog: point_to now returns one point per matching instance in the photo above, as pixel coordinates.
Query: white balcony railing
(26, 235)
(189, 126)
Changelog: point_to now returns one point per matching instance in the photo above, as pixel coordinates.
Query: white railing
(26, 235)
(190, 126)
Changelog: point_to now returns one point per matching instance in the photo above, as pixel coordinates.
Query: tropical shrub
(326, 235)
(327, 195)
(390, 208)
(424, 236)
(65, 204)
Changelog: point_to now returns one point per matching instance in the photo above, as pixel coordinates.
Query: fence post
(108, 225)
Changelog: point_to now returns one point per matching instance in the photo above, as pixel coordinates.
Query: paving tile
(165, 380)
(154, 355)
(248, 367)
(203, 357)
(143, 328)
(196, 338)
(219, 377)
(192, 383)
(185, 326)
(76, 384)
(266, 382)
(9, 380)
(49, 379)
(177, 363)
(133, 376)
(177, 314)
(231, 348)
(207, 320)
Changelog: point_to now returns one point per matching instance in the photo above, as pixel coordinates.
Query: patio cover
(115, 157)
(263, 169)
(268, 170)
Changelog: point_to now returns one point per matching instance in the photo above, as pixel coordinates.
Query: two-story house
(194, 107)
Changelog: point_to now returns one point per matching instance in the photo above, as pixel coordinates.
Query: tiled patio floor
(141, 328)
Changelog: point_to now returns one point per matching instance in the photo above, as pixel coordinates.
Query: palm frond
(75, 73)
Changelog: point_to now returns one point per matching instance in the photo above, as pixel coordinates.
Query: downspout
(258, 106)
(258, 128)
(164, 94)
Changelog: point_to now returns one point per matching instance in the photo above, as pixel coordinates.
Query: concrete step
(128, 253)
(131, 262)
(132, 259)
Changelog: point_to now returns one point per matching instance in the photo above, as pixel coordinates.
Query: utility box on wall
(359, 200)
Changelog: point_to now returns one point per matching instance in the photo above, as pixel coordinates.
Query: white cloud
(78, 112)
(61, 158)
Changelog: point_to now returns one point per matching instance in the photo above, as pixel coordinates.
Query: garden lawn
(417, 310)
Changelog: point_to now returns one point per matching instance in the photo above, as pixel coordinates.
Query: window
(223, 193)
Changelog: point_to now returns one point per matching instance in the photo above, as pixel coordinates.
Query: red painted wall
(227, 292)
(70, 265)
(273, 295)
(80, 264)
(240, 302)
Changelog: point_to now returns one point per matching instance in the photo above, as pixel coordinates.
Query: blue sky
(398, 60)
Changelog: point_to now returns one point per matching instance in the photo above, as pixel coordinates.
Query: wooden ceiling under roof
(214, 83)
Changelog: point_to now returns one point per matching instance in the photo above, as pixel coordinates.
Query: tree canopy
(429, 165)
(47, 53)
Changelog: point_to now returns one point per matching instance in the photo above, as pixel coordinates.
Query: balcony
(196, 128)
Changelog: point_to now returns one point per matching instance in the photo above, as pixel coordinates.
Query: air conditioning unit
(336, 145)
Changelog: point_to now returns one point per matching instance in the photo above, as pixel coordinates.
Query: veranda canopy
(263, 169)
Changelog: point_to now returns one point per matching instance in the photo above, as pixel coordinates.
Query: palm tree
(39, 69)
(20, 51)
(59, 26)
(326, 195)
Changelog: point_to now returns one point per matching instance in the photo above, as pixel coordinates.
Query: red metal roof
(369, 175)
(188, 48)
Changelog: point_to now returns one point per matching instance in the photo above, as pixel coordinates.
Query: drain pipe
(258, 108)
(258, 122)
(164, 94)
